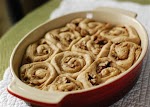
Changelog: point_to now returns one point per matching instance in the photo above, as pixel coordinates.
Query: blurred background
(12, 11)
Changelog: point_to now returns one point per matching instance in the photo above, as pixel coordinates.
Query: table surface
(33, 19)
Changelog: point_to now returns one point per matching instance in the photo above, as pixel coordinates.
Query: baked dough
(43, 50)
(121, 33)
(91, 26)
(65, 83)
(99, 72)
(81, 54)
(125, 54)
(71, 62)
(63, 37)
(38, 74)
(93, 45)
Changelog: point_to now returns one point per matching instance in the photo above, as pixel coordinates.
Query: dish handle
(31, 95)
(118, 10)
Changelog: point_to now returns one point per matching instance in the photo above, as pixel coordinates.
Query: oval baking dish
(101, 95)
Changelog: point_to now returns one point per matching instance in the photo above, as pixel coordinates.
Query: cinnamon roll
(63, 37)
(74, 25)
(125, 53)
(71, 62)
(96, 46)
(65, 83)
(39, 74)
(121, 33)
(99, 72)
(107, 68)
(91, 26)
(42, 50)
(89, 78)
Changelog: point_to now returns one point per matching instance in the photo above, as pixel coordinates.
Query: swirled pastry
(65, 83)
(96, 46)
(63, 37)
(39, 74)
(91, 26)
(121, 33)
(42, 50)
(89, 78)
(71, 62)
(99, 72)
(125, 53)
(81, 54)
(74, 25)
(107, 68)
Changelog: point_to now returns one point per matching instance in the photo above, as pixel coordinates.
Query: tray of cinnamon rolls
(75, 56)
(82, 54)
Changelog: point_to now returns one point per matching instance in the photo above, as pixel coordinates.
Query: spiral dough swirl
(65, 83)
(71, 62)
(37, 74)
(99, 72)
(95, 46)
(120, 34)
(63, 38)
(125, 53)
(42, 50)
